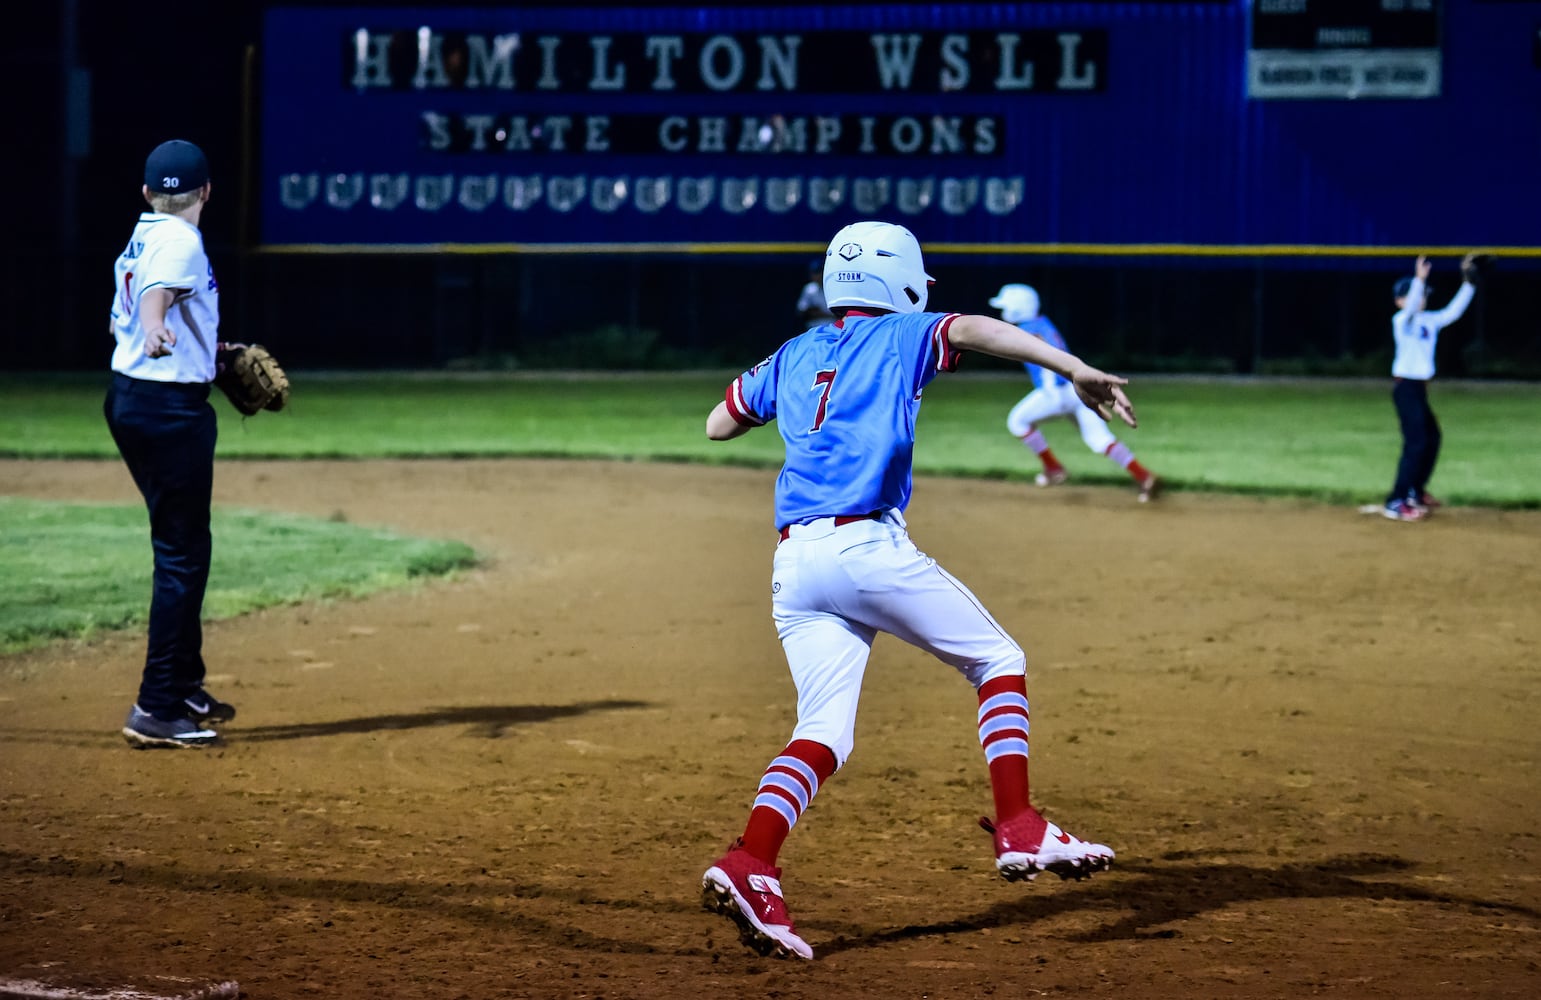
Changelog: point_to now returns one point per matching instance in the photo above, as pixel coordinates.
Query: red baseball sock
(1003, 728)
(1035, 440)
(1119, 454)
(789, 784)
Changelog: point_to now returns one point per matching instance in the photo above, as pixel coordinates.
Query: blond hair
(173, 204)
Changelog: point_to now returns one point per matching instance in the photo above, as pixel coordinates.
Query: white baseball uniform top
(1417, 332)
(812, 297)
(166, 251)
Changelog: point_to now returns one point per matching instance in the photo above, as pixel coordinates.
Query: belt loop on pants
(840, 519)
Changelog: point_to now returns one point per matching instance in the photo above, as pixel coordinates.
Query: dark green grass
(71, 570)
(1331, 440)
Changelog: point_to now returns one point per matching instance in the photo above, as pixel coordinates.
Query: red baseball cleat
(1051, 477)
(1028, 844)
(1404, 510)
(747, 891)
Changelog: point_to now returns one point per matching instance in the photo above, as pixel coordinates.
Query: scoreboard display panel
(1344, 49)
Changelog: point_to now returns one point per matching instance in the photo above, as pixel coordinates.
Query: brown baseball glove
(251, 377)
(1474, 267)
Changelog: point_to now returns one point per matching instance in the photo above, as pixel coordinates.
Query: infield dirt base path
(1310, 736)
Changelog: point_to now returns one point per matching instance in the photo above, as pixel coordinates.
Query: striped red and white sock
(1119, 454)
(1003, 728)
(1035, 440)
(788, 786)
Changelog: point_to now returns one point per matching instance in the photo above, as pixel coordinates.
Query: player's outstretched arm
(153, 306)
(1456, 307)
(1097, 389)
(720, 425)
(1413, 301)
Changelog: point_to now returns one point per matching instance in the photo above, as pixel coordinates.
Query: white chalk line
(33, 990)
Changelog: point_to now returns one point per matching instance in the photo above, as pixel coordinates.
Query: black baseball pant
(165, 432)
(1420, 439)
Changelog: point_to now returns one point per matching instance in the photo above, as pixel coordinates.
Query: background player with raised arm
(1416, 334)
(1053, 396)
(845, 397)
(165, 319)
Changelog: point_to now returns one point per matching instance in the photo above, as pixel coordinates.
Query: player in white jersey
(165, 319)
(1054, 396)
(1416, 333)
(811, 307)
(845, 397)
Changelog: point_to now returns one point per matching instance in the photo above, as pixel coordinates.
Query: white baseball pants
(835, 588)
(1042, 404)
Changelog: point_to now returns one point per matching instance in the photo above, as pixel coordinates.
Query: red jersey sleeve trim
(947, 359)
(737, 408)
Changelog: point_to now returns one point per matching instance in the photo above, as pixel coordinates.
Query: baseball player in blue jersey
(845, 397)
(1054, 396)
(1416, 333)
(165, 319)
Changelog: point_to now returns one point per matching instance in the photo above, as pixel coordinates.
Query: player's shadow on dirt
(1154, 903)
(486, 721)
(495, 906)
(1150, 906)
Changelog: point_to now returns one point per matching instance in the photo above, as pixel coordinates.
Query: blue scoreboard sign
(985, 125)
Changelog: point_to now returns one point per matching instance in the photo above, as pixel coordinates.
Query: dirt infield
(1311, 737)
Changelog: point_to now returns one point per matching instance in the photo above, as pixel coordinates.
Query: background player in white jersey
(1054, 396)
(845, 397)
(1416, 333)
(811, 307)
(165, 318)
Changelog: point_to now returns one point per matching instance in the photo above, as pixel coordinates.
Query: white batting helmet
(1017, 303)
(875, 265)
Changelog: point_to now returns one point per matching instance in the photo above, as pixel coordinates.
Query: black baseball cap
(176, 167)
(1401, 288)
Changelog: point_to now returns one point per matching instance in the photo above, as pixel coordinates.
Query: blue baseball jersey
(845, 397)
(1043, 378)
